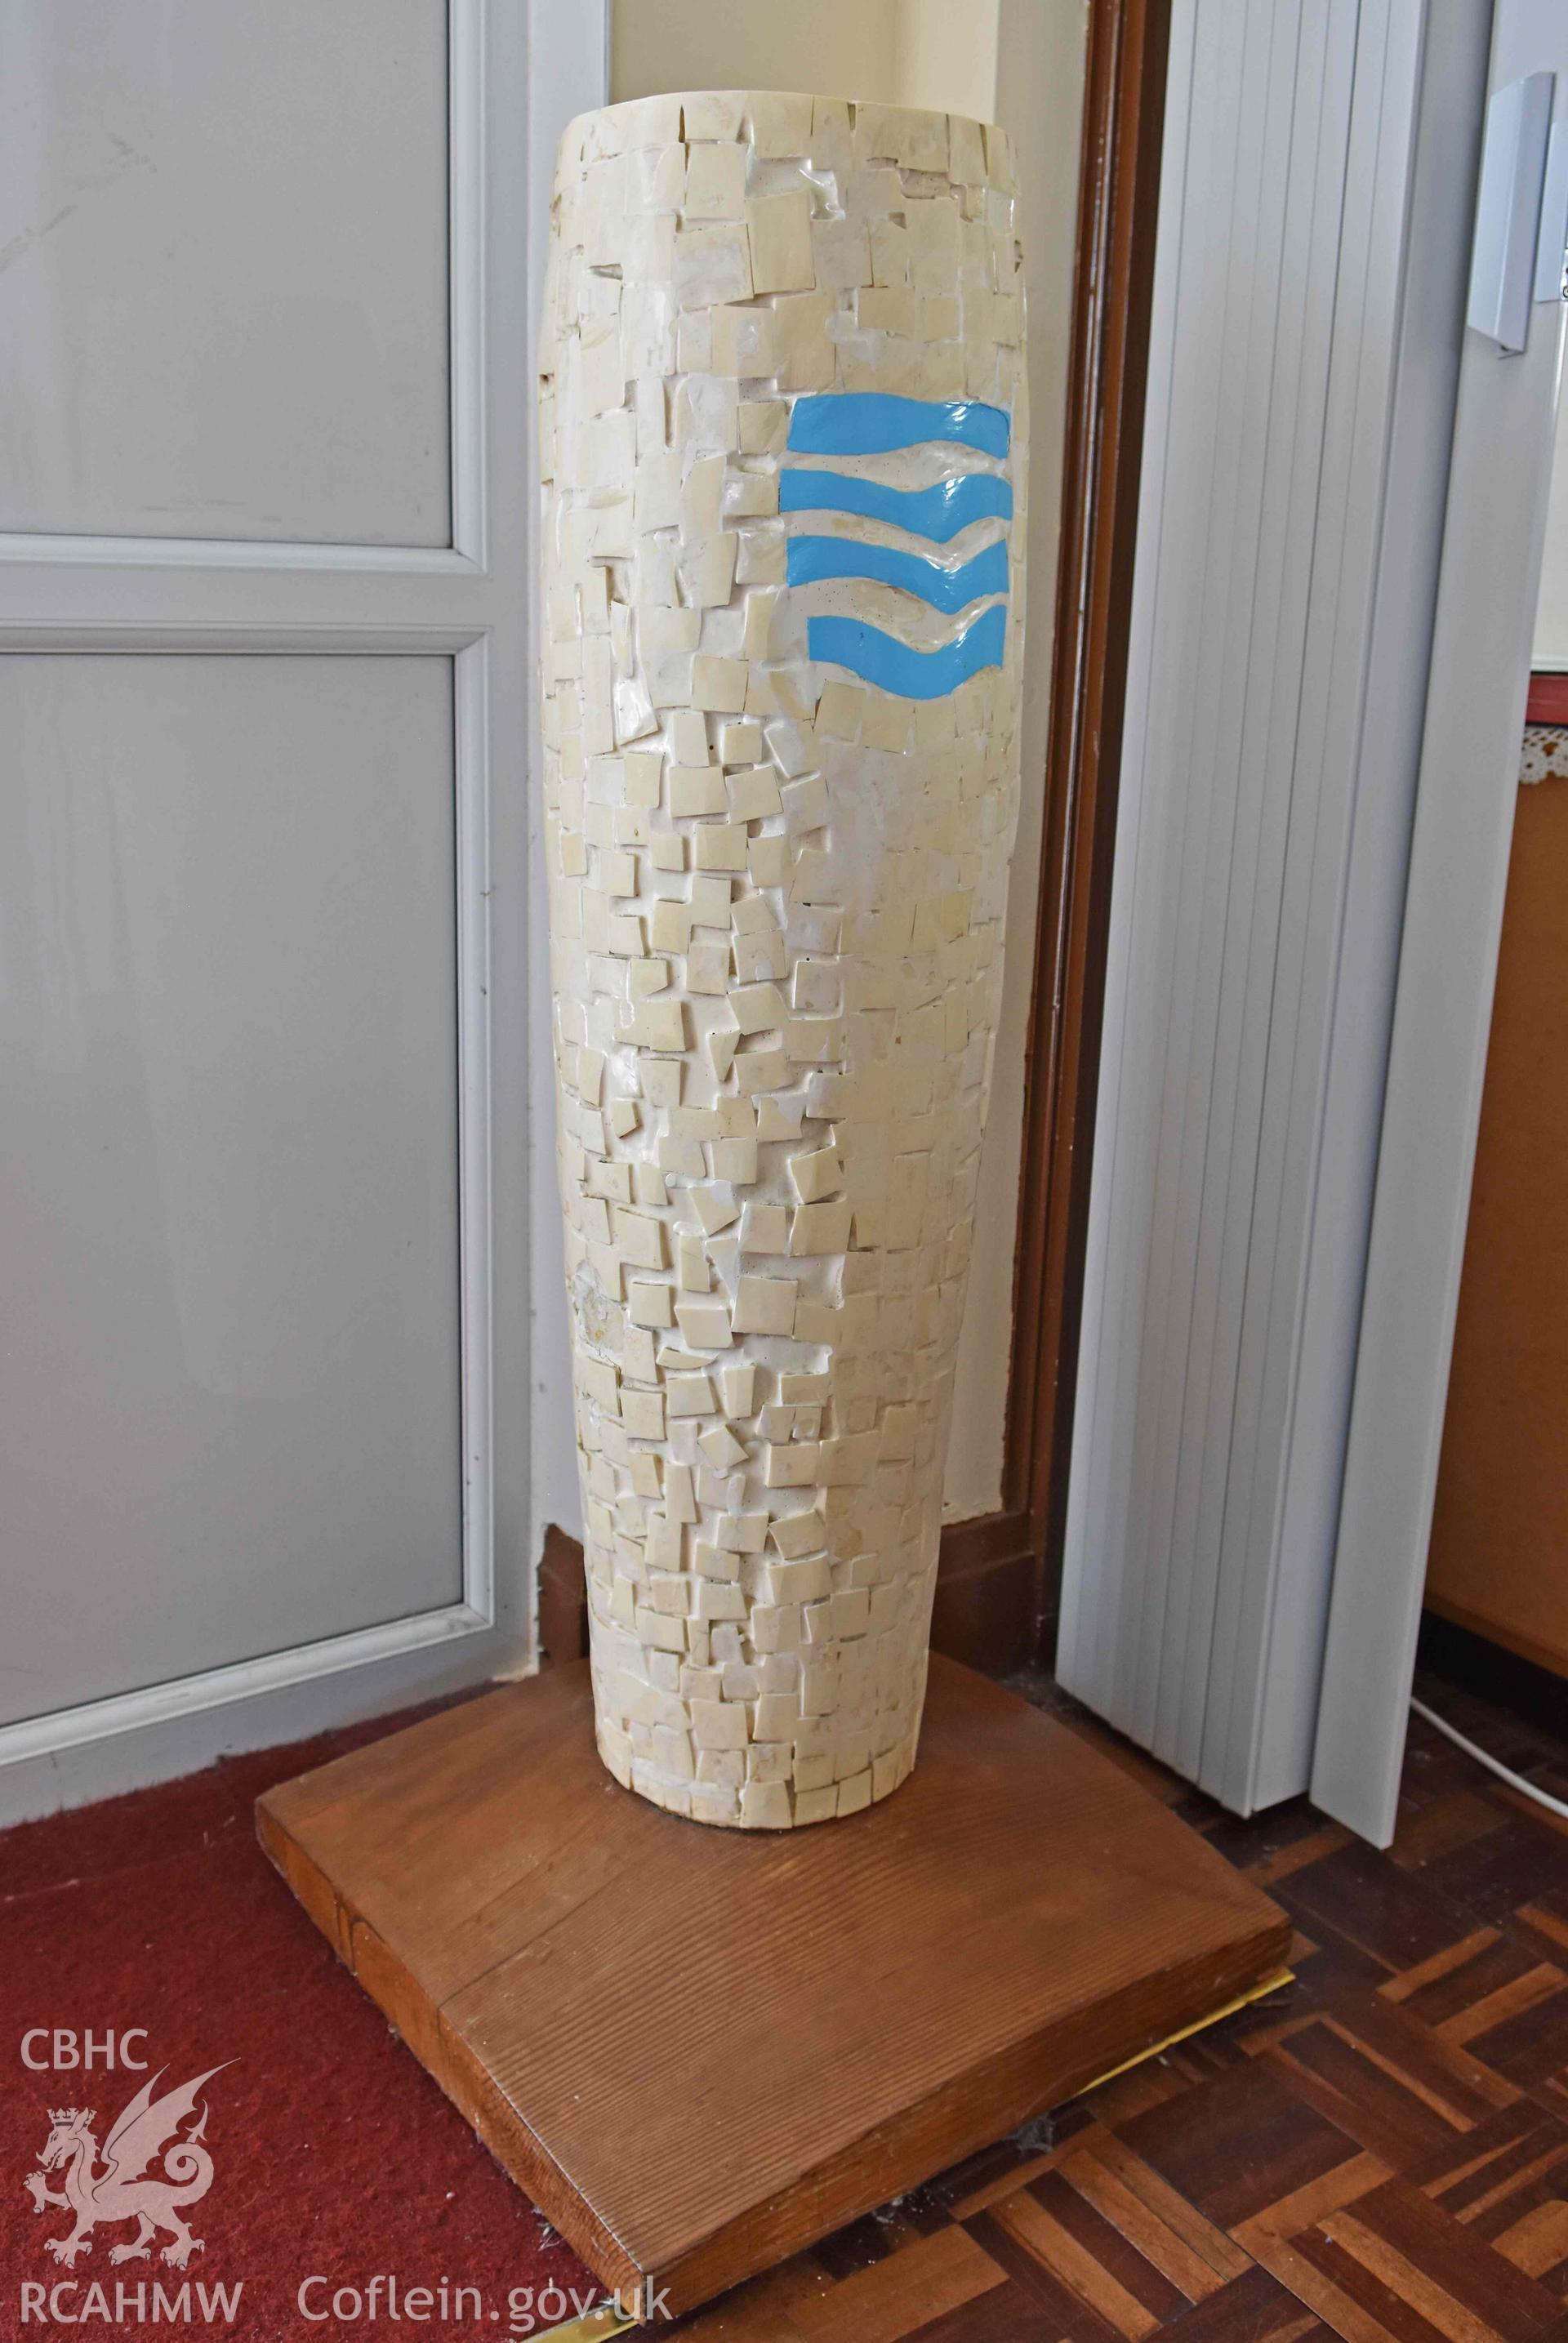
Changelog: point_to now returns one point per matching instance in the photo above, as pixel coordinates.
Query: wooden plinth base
(697, 2049)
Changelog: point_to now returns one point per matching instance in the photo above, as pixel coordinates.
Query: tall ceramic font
(783, 431)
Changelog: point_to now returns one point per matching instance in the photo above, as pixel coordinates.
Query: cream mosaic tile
(780, 792)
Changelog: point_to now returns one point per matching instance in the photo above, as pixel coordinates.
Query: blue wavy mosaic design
(873, 423)
(812, 558)
(880, 659)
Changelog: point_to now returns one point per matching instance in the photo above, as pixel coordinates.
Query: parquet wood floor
(1379, 2151)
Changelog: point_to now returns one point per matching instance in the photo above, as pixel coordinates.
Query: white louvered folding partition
(1309, 280)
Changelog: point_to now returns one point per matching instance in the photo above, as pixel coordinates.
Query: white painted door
(1496, 519)
(265, 681)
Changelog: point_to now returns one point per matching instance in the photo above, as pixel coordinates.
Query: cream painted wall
(902, 52)
(1020, 62)
(836, 46)
(1551, 611)
(1039, 83)
(945, 55)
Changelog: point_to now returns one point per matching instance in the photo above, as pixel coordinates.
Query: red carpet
(334, 2154)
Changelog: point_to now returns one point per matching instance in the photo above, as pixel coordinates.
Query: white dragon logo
(123, 2189)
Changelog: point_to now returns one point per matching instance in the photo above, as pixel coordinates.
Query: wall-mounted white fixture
(1519, 236)
(1551, 251)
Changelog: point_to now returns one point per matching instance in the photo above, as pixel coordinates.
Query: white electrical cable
(1515, 1781)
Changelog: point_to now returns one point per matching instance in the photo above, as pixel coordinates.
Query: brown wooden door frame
(999, 1574)
(996, 1588)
